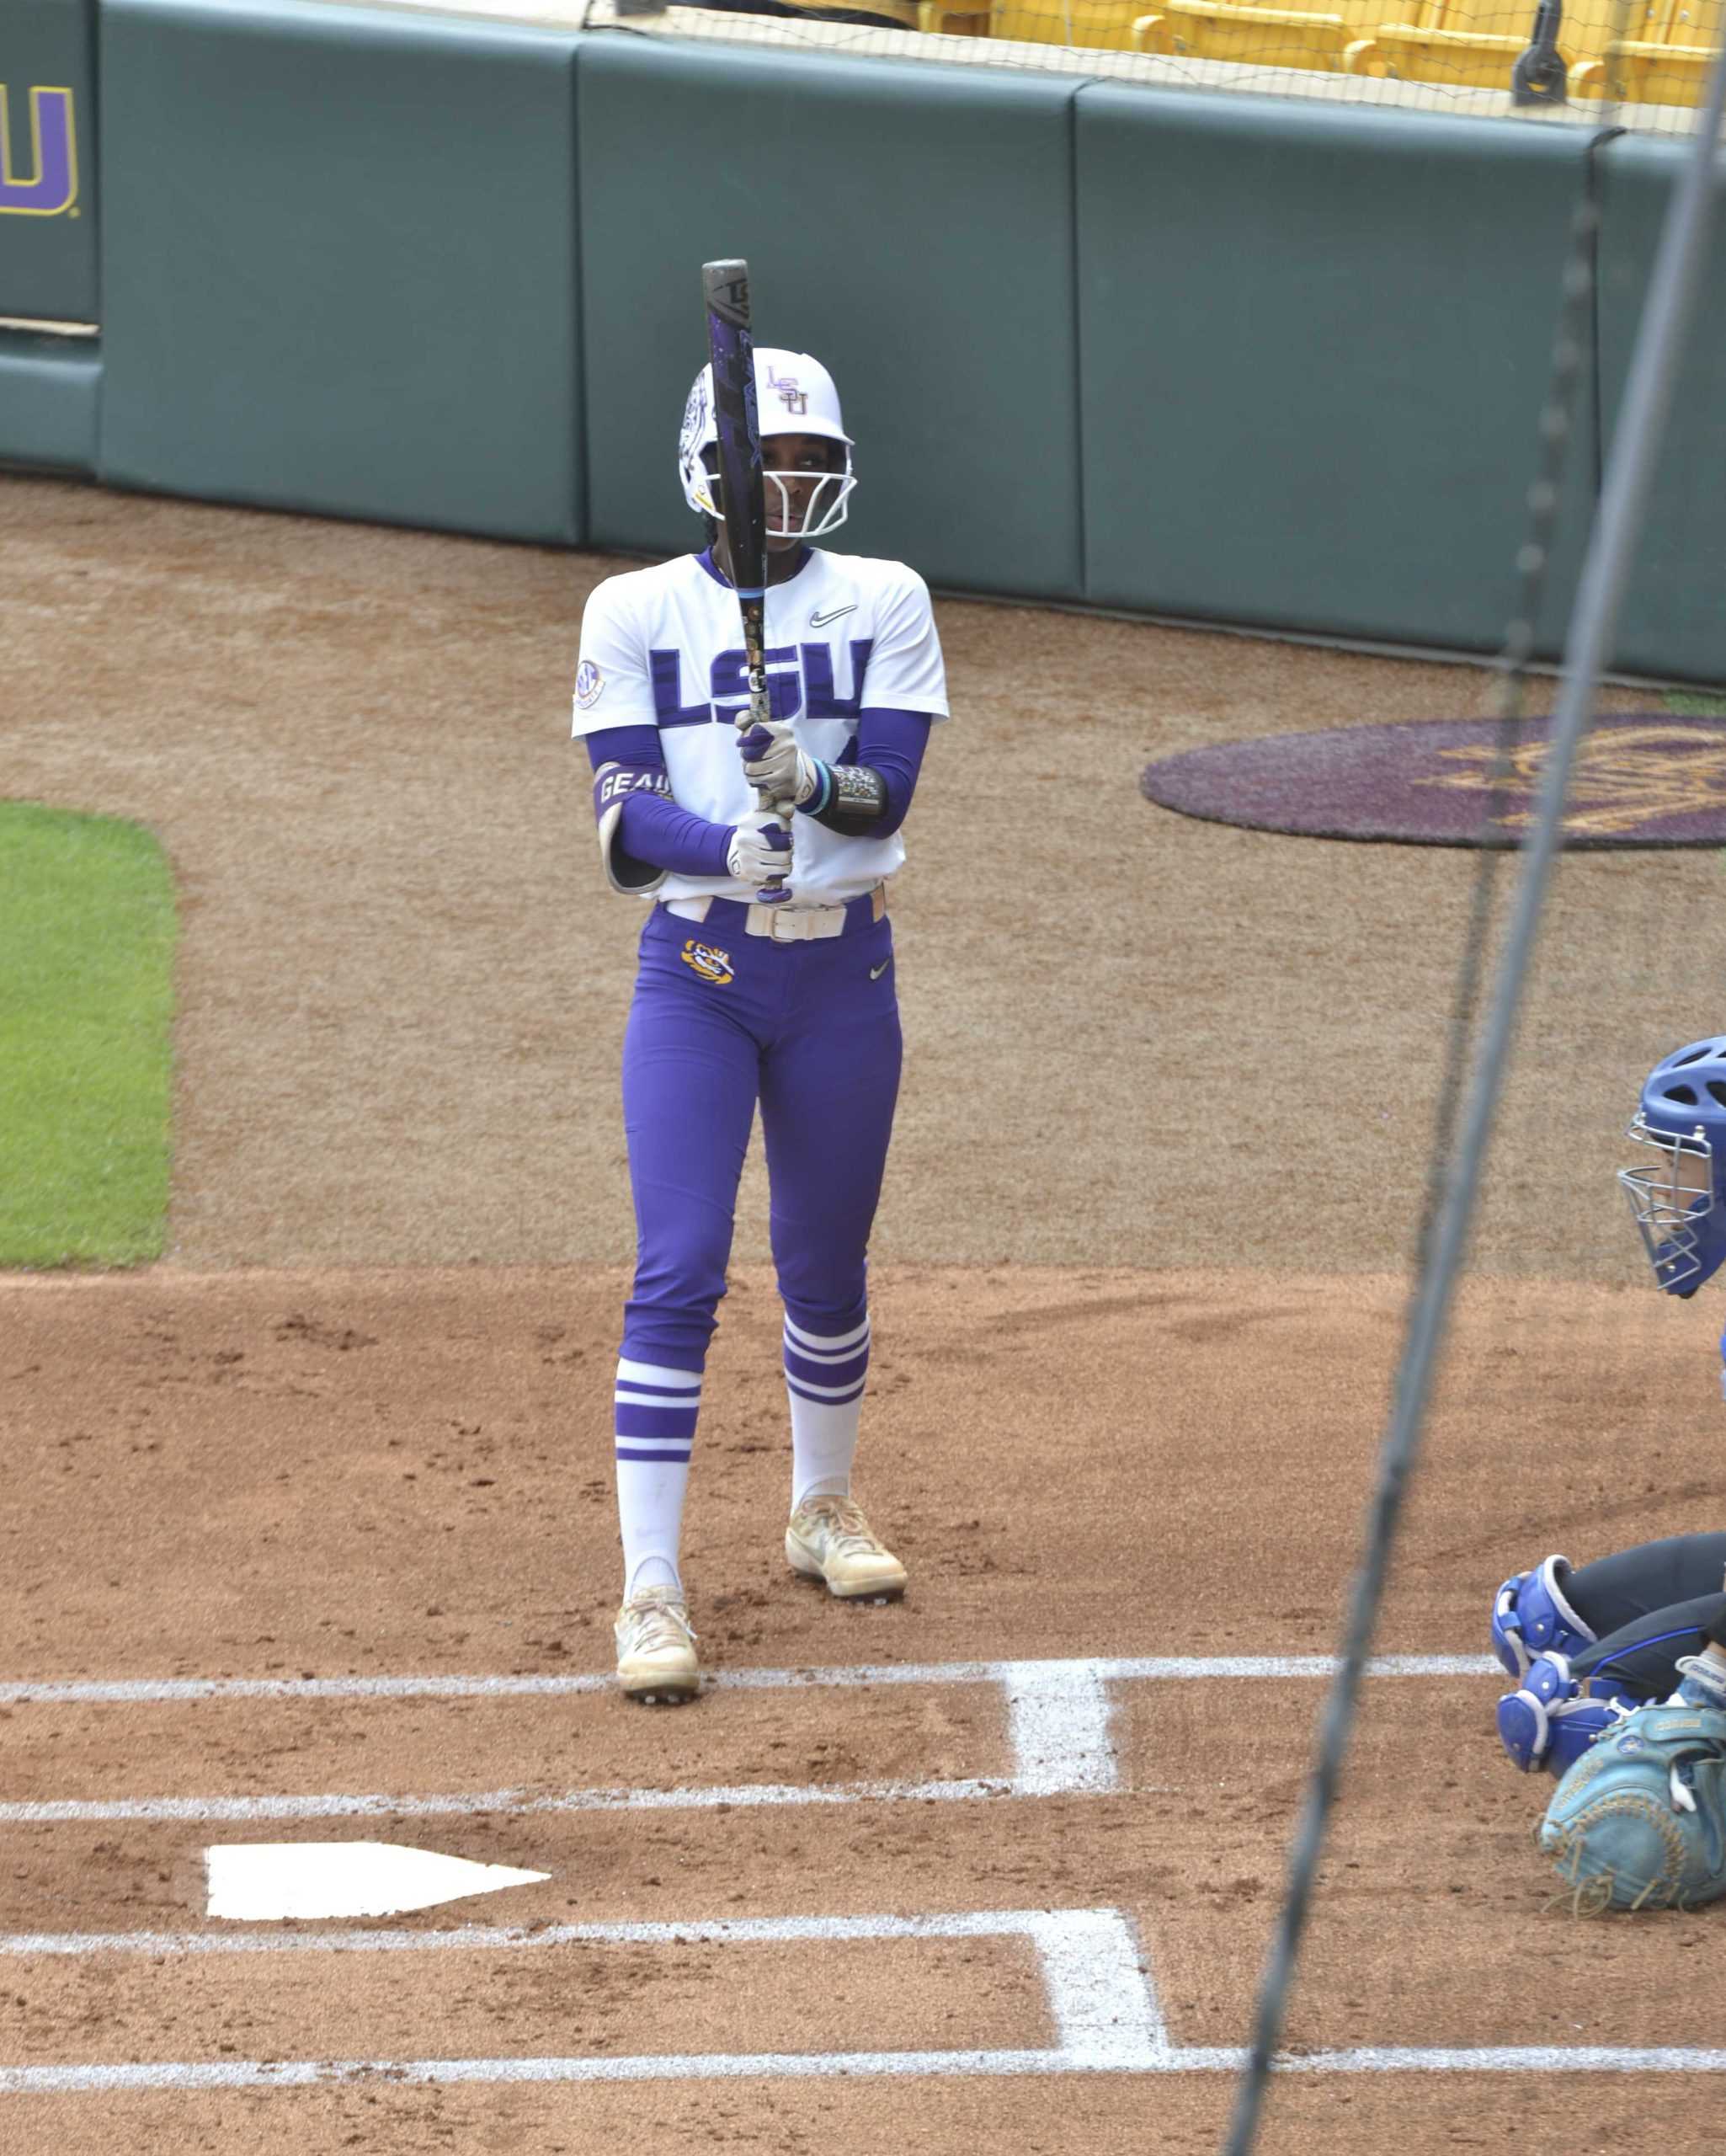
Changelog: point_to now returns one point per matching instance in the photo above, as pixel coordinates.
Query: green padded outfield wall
(48, 228)
(49, 389)
(1315, 346)
(911, 226)
(1249, 359)
(1674, 607)
(339, 263)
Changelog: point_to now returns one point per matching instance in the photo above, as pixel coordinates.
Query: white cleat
(828, 1539)
(656, 1648)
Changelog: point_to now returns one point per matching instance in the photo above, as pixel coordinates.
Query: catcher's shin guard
(1531, 1617)
(1551, 1721)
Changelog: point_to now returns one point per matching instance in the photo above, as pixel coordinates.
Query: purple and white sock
(655, 1414)
(824, 1376)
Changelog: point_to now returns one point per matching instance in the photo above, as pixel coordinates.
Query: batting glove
(758, 852)
(773, 761)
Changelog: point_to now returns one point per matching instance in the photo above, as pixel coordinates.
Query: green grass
(1682, 705)
(87, 937)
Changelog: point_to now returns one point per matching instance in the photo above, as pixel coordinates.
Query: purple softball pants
(719, 1021)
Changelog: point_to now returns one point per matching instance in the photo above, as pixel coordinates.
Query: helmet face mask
(799, 505)
(794, 395)
(823, 508)
(1671, 1199)
(1676, 1199)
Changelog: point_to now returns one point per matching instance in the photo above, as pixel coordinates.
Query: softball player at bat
(789, 1004)
(1587, 1647)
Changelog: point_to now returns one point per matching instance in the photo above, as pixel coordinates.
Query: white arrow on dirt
(263, 1880)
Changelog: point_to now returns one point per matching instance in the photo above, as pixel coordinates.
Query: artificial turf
(87, 942)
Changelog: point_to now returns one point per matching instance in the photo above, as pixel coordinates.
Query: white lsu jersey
(663, 646)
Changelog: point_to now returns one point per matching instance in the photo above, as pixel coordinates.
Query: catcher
(1587, 1646)
(1621, 1665)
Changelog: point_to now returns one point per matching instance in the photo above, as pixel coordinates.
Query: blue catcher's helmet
(1677, 1198)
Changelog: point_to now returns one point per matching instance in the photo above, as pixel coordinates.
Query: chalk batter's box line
(192, 2076)
(1059, 1722)
(158, 1691)
(1100, 1999)
(1101, 1995)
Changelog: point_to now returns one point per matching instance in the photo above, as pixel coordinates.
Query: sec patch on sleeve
(590, 685)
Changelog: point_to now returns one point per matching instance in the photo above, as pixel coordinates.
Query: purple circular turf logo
(1641, 779)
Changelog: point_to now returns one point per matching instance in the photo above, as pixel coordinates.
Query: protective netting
(1647, 61)
(1485, 1018)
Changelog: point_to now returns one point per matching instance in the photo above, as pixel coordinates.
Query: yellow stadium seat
(1462, 44)
(1445, 42)
(1254, 36)
(1100, 24)
(1664, 58)
(952, 20)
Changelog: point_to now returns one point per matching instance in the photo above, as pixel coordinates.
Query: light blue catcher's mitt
(1639, 1821)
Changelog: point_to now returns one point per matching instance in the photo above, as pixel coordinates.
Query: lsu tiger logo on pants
(707, 960)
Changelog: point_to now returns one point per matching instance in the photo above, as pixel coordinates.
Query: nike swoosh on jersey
(875, 972)
(820, 620)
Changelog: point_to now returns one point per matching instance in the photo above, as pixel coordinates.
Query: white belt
(782, 924)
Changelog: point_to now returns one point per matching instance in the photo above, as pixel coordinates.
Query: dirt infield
(311, 1536)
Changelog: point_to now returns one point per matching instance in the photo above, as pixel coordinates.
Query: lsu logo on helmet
(796, 401)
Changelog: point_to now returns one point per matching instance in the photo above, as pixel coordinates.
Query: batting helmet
(1676, 1199)
(794, 395)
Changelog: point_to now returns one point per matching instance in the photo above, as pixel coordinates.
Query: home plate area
(1062, 1870)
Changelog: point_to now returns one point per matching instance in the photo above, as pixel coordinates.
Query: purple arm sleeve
(892, 743)
(652, 828)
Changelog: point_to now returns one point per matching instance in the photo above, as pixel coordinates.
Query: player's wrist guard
(850, 798)
(613, 785)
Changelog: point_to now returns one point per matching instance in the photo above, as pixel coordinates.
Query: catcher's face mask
(1676, 1204)
(1673, 1204)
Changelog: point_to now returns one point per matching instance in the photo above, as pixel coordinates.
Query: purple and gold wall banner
(49, 267)
(1641, 779)
(39, 162)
